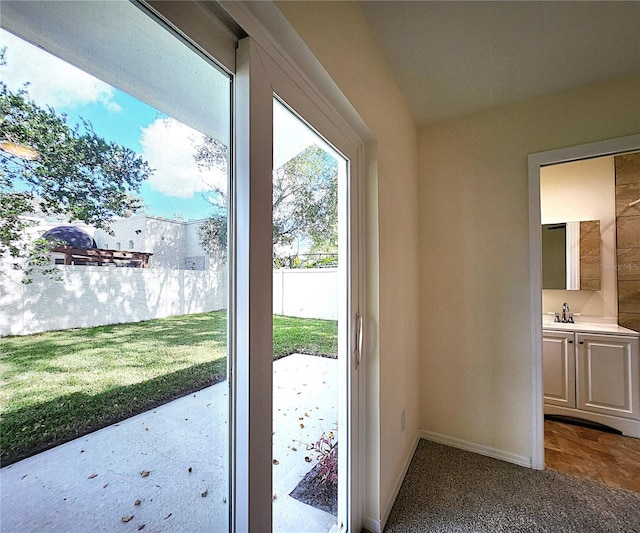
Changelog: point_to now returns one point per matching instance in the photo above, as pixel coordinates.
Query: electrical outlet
(402, 421)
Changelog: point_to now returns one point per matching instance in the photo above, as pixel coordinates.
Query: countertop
(589, 327)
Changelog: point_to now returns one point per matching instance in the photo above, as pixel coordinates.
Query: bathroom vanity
(592, 372)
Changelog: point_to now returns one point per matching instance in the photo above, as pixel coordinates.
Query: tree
(60, 170)
(305, 194)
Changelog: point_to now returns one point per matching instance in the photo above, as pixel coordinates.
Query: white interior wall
(476, 361)
(583, 190)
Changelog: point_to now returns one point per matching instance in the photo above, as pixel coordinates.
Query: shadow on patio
(166, 468)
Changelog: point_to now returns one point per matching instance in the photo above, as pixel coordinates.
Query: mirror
(571, 255)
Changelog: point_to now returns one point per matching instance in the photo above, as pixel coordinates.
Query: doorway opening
(570, 360)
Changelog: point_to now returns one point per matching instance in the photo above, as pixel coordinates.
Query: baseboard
(377, 526)
(372, 525)
(396, 489)
(476, 448)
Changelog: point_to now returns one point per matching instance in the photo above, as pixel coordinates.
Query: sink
(587, 327)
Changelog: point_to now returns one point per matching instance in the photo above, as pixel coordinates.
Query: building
(450, 297)
(174, 244)
(170, 244)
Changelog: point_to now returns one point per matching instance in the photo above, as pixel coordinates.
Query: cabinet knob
(570, 342)
(581, 342)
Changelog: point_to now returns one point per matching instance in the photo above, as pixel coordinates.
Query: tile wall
(628, 239)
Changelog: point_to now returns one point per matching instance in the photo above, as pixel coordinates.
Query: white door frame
(259, 75)
(615, 146)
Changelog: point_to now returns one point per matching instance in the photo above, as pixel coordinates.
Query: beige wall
(583, 190)
(339, 36)
(474, 255)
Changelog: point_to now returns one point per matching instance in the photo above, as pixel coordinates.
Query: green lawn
(58, 385)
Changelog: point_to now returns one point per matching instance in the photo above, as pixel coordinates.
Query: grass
(58, 385)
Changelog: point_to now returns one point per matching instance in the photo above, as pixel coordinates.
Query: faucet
(567, 317)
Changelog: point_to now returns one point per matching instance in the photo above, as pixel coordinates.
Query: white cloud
(52, 81)
(169, 146)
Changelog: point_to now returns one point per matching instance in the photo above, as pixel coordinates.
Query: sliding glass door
(192, 337)
(115, 400)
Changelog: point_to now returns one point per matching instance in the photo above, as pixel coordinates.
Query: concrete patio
(166, 468)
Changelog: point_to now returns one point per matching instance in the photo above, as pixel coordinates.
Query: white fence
(306, 292)
(92, 296)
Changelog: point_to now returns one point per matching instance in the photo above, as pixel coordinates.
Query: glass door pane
(114, 383)
(309, 328)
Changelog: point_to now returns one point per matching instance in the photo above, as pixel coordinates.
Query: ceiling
(455, 58)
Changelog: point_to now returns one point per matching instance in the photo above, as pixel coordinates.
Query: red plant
(326, 448)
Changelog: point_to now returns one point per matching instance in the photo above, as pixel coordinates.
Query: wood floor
(593, 454)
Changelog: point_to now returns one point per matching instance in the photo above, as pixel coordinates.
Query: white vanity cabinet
(607, 376)
(593, 376)
(559, 365)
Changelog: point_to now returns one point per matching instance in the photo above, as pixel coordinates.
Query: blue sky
(177, 188)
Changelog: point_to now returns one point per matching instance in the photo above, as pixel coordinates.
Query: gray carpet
(450, 490)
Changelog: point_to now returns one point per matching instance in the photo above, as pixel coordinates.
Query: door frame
(261, 74)
(607, 147)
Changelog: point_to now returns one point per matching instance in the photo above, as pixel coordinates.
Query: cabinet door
(558, 363)
(607, 375)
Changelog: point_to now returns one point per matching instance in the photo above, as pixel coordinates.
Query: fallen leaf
(301, 418)
(137, 502)
(294, 449)
(105, 485)
(190, 470)
(307, 459)
(168, 516)
(141, 527)
(145, 473)
(275, 496)
(301, 426)
(205, 494)
(92, 476)
(276, 462)
(127, 518)
(146, 429)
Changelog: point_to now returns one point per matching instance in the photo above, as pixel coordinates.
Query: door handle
(359, 337)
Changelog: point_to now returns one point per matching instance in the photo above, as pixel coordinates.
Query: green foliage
(76, 175)
(305, 201)
(312, 336)
(57, 385)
